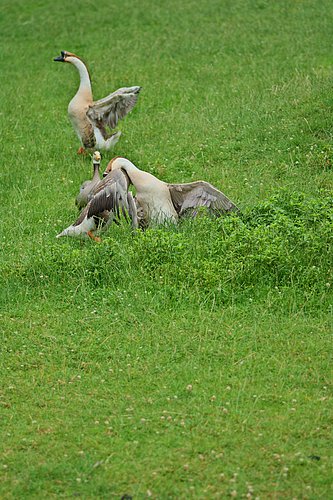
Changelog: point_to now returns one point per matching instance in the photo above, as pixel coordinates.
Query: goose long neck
(130, 169)
(140, 179)
(96, 171)
(85, 84)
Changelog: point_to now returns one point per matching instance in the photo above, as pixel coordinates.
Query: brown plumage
(90, 118)
(199, 194)
(110, 201)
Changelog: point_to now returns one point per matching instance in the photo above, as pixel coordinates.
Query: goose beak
(60, 58)
(105, 174)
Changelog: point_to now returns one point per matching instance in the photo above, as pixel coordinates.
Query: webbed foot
(93, 237)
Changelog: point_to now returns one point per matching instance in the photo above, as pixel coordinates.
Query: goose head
(97, 158)
(66, 57)
(85, 80)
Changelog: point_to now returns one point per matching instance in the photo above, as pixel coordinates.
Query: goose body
(152, 195)
(88, 187)
(90, 119)
(161, 202)
(110, 198)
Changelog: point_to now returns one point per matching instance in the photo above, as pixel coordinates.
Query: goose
(156, 202)
(161, 202)
(87, 188)
(110, 199)
(90, 118)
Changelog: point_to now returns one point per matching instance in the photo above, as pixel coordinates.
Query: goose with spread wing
(90, 118)
(110, 199)
(161, 202)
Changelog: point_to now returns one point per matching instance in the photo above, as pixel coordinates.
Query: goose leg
(81, 151)
(93, 237)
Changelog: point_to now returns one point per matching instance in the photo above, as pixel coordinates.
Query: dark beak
(60, 58)
(105, 174)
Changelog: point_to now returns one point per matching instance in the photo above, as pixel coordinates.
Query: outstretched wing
(113, 107)
(110, 196)
(199, 194)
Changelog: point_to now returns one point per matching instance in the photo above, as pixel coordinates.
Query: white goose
(161, 202)
(90, 118)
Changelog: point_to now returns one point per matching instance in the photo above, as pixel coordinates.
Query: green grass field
(186, 362)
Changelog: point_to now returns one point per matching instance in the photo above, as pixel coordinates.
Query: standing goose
(87, 188)
(111, 198)
(161, 202)
(90, 118)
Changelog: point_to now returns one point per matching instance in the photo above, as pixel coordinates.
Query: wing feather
(199, 194)
(132, 210)
(110, 195)
(114, 107)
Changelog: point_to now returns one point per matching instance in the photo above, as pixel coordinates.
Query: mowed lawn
(188, 362)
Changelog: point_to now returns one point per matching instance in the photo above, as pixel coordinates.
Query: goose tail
(69, 231)
(79, 229)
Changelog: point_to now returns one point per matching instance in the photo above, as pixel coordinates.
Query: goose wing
(107, 196)
(199, 194)
(132, 210)
(85, 194)
(112, 195)
(114, 107)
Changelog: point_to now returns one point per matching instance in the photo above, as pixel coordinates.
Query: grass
(180, 362)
